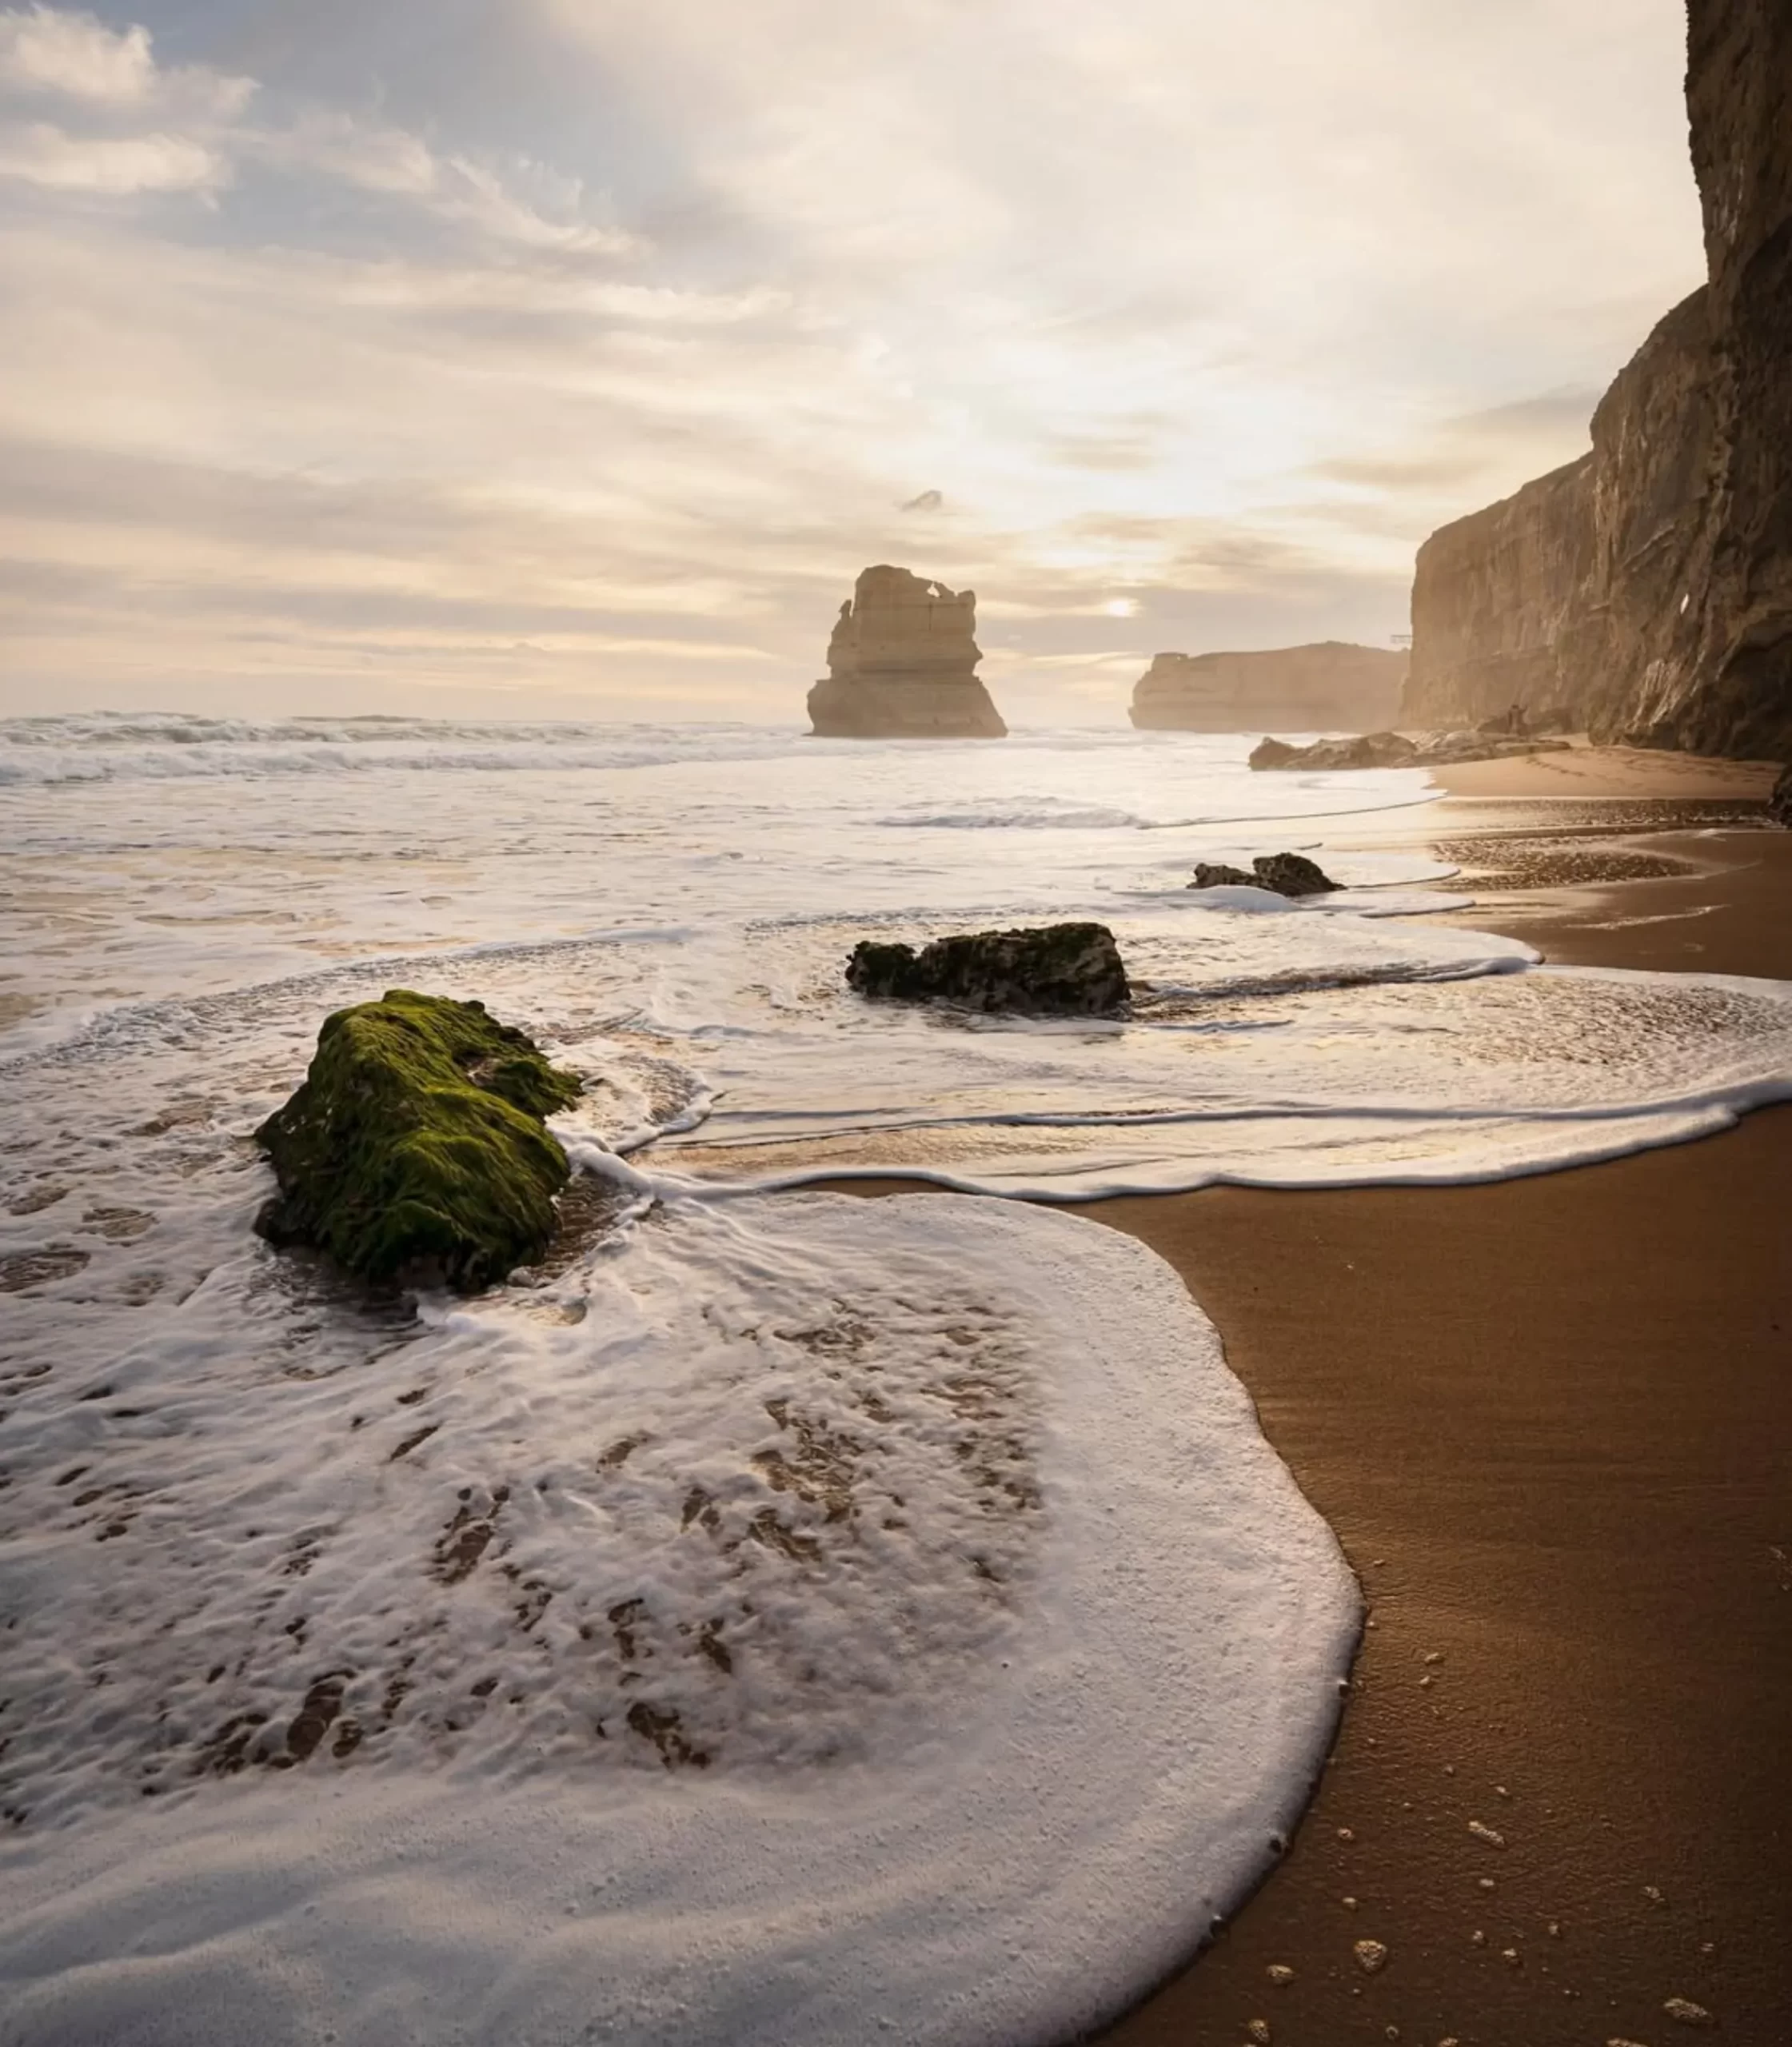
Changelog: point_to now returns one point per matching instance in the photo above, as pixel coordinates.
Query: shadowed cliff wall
(1646, 589)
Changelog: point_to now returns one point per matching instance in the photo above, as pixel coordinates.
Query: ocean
(781, 1617)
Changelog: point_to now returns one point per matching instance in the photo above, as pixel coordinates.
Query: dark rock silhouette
(1054, 969)
(1291, 689)
(1285, 874)
(1645, 592)
(902, 664)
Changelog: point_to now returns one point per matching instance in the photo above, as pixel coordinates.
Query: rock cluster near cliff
(1396, 750)
(1320, 687)
(1646, 591)
(902, 664)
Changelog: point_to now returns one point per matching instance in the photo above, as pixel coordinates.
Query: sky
(569, 358)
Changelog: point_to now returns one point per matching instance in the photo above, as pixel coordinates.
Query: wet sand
(1610, 772)
(1550, 1420)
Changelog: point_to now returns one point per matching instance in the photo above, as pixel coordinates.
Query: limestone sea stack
(1646, 590)
(902, 664)
(1332, 685)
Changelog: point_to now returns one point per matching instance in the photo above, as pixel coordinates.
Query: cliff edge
(1645, 592)
(902, 664)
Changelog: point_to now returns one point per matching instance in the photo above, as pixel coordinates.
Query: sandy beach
(1548, 1421)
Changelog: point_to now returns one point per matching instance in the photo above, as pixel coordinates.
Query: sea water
(780, 1617)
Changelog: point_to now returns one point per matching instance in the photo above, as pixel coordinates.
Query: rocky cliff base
(1396, 750)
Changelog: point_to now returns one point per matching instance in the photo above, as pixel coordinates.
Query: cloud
(361, 366)
(1464, 460)
(115, 166)
(524, 203)
(54, 52)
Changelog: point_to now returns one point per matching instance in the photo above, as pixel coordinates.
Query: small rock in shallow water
(1281, 1974)
(1483, 1832)
(1292, 874)
(1282, 874)
(1370, 1955)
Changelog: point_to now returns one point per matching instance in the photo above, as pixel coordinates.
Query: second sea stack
(902, 664)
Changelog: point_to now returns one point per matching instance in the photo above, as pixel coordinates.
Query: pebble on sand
(1370, 1955)
(1687, 2013)
(1281, 1974)
(1483, 1832)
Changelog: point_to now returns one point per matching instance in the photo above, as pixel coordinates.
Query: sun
(1119, 607)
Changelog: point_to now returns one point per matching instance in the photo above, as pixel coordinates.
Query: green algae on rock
(416, 1143)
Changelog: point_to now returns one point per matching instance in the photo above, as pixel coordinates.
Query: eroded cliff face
(1736, 695)
(902, 664)
(1329, 686)
(1491, 596)
(1563, 598)
(1645, 592)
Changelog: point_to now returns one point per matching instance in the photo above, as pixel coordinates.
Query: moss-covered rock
(1052, 970)
(417, 1144)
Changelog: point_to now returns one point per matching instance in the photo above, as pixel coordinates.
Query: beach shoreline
(1546, 1419)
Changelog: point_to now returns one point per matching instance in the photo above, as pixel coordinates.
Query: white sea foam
(980, 1774)
(799, 1616)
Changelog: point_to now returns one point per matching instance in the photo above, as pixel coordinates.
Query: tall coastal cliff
(1330, 686)
(1645, 591)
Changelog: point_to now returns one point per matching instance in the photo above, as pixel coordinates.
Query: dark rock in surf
(1285, 874)
(1065, 970)
(417, 1145)
(1292, 874)
(1779, 802)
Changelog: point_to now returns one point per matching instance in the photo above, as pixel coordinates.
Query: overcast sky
(569, 358)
